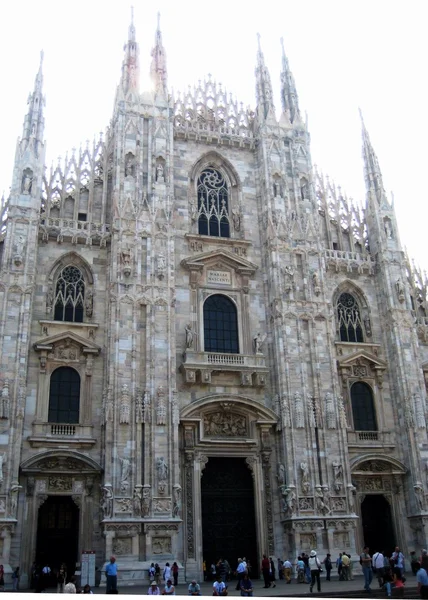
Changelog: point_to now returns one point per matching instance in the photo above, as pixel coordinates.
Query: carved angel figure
(190, 336)
(258, 343)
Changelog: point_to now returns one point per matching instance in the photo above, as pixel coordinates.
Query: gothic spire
(289, 97)
(265, 106)
(34, 119)
(372, 172)
(130, 65)
(158, 70)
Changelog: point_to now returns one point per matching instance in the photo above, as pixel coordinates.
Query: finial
(282, 44)
(258, 42)
(158, 20)
(132, 15)
(42, 55)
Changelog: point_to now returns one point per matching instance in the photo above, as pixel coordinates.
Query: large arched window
(349, 319)
(363, 410)
(213, 204)
(64, 396)
(220, 325)
(69, 295)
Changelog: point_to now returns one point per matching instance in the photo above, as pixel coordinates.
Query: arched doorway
(228, 516)
(378, 529)
(58, 533)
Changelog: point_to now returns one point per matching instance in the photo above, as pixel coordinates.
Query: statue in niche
(107, 502)
(161, 265)
(420, 495)
(290, 500)
(89, 302)
(190, 336)
(400, 290)
(125, 464)
(177, 500)
(306, 486)
(14, 491)
(3, 458)
(388, 229)
(258, 343)
(19, 249)
(162, 469)
(49, 299)
(316, 283)
(27, 182)
(126, 257)
(129, 166)
(304, 189)
(367, 325)
(137, 500)
(145, 507)
(337, 476)
(236, 218)
(160, 173)
(281, 475)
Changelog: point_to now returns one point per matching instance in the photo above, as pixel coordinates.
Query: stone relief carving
(189, 468)
(122, 546)
(177, 500)
(60, 484)
(175, 408)
(161, 505)
(161, 545)
(342, 413)
(162, 469)
(306, 503)
(337, 476)
(329, 411)
(139, 407)
(308, 541)
(374, 466)
(67, 351)
(225, 424)
(89, 303)
(2, 505)
(146, 501)
(338, 504)
(275, 309)
(125, 405)
(161, 407)
(160, 265)
(4, 404)
(341, 539)
(107, 501)
(124, 505)
(322, 499)
(89, 485)
(316, 283)
(299, 411)
(305, 484)
(400, 290)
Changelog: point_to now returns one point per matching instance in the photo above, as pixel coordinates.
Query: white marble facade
(123, 216)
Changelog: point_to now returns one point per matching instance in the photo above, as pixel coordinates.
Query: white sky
(343, 54)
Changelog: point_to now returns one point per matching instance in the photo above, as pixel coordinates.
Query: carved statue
(367, 325)
(298, 409)
(322, 500)
(161, 262)
(388, 229)
(89, 301)
(3, 458)
(145, 507)
(306, 486)
(236, 218)
(107, 502)
(258, 343)
(420, 495)
(126, 257)
(49, 299)
(162, 469)
(316, 283)
(400, 290)
(190, 336)
(159, 174)
(125, 464)
(137, 500)
(290, 500)
(161, 407)
(177, 500)
(14, 491)
(129, 166)
(125, 407)
(27, 184)
(337, 476)
(281, 475)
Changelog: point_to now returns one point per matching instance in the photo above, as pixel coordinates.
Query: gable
(219, 258)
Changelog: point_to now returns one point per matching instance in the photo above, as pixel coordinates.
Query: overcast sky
(344, 55)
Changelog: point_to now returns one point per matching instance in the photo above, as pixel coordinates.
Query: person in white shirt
(315, 567)
(153, 589)
(287, 566)
(167, 572)
(219, 587)
(378, 562)
(240, 570)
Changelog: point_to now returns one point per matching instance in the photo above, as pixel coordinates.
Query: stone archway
(378, 480)
(58, 474)
(232, 427)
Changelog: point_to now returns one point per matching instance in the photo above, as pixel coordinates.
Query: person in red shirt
(266, 571)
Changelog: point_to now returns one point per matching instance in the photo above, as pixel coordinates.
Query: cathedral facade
(205, 349)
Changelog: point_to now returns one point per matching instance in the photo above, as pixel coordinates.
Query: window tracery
(213, 204)
(349, 319)
(69, 295)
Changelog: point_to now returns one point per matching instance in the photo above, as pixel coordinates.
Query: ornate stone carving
(338, 504)
(316, 283)
(175, 408)
(160, 265)
(125, 405)
(4, 403)
(330, 415)
(337, 476)
(139, 409)
(161, 505)
(322, 499)
(341, 539)
(306, 503)
(125, 469)
(60, 484)
(419, 411)
(161, 545)
(13, 495)
(189, 464)
(41, 499)
(77, 499)
(342, 413)
(258, 342)
(374, 466)
(27, 182)
(308, 541)
(280, 475)
(203, 459)
(299, 411)
(400, 290)
(122, 546)
(289, 502)
(225, 424)
(419, 495)
(162, 469)
(161, 407)
(3, 458)
(124, 505)
(190, 336)
(176, 508)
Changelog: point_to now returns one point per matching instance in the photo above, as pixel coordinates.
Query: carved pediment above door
(362, 364)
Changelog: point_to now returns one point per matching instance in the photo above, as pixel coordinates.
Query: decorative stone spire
(372, 172)
(34, 119)
(130, 65)
(265, 106)
(289, 97)
(158, 70)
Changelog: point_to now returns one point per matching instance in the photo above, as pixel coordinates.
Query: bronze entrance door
(378, 528)
(58, 533)
(228, 516)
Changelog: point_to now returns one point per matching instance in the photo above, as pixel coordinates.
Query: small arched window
(213, 204)
(349, 319)
(64, 396)
(69, 295)
(220, 325)
(363, 410)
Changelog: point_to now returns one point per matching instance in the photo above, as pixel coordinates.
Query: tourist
(272, 572)
(300, 569)
(399, 580)
(351, 568)
(315, 567)
(174, 570)
(213, 571)
(287, 568)
(87, 589)
(194, 588)
(240, 570)
(378, 568)
(413, 561)
(422, 579)
(339, 567)
(366, 565)
(219, 587)
(345, 566)
(169, 589)
(266, 571)
(157, 574)
(221, 569)
(424, 560)
(60, 580)
(111, 574)
(280, 569)
(398, 559)
(305, 559)
(70, 588)
(328, 566)
(152, 571)
(153, 589)
(46, 573)
(167, 572)
(15, 579)
(246, 586)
